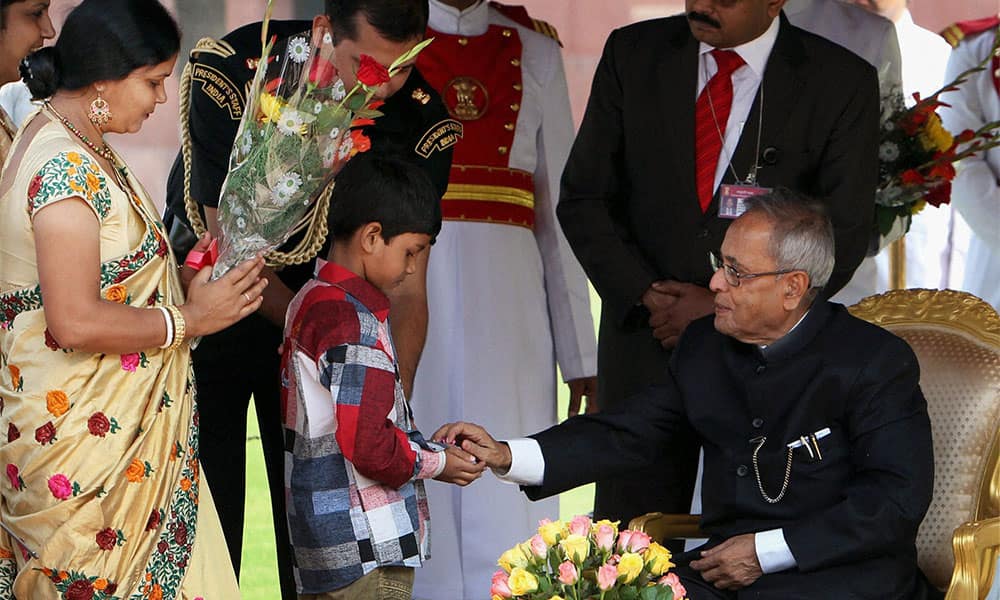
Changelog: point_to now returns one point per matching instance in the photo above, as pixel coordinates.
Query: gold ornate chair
(956, 338)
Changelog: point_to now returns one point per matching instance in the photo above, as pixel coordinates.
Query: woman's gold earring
(100, 111)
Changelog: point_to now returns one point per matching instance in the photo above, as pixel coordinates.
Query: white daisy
(317, 108)
(888, 151)
(345, 148)
(338, 92)
(246, 142)
(241, 223)
(335, 133)
(285, 188)
(290, 122)
(298, 49)
(328, 39)
(328, 155)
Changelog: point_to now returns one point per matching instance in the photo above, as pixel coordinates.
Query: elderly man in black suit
(818, 458)
(728, 93)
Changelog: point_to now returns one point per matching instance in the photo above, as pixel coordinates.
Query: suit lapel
(677, 84)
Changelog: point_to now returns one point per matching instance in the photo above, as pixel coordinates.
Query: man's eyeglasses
(733, 276)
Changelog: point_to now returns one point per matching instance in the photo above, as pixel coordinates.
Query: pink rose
(623, 539)
(607, 575)
(605, 538)
(675, 584)
(568, 574)
(14, 475)
(130, 362)
(538, 546)
(60, 486)
(633, 541)
(499, 586)
(580, 525)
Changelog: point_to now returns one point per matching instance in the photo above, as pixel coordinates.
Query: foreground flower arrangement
(584, 560)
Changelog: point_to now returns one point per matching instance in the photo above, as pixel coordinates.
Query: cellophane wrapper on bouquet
(300, 127)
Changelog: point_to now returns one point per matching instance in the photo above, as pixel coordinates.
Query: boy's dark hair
(102, 40)
(395, 20)
(388, 189)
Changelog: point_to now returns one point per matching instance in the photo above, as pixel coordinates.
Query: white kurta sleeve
(565, 282)
(975, 189)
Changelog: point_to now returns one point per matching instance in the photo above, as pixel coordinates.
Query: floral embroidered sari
(101, 495)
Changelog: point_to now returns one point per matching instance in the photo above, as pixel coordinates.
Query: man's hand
(673, 305)
(460, 468)
(731, 565)
(478, 442)
(578, 388)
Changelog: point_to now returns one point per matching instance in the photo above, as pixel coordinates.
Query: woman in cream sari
(98, 426)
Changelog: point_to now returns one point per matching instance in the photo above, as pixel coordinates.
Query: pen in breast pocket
(811, 443)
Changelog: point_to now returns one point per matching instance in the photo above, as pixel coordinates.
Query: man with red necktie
(729, 93)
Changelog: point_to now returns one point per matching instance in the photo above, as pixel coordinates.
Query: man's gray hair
(801, 233)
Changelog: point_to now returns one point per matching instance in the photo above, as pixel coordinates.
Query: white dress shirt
(746, 82)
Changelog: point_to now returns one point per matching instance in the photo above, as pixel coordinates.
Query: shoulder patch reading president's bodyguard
(220, 89)
(441, 136)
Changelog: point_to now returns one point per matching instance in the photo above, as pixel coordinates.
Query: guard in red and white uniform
(975, 192)
(508, 300)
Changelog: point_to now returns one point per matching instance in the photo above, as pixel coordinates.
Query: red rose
(81, 589)
(322, 72)
(161, 547)
(98, 424)
(46, 433)
(161, 250)
(12, 432)
(34, 186)
(50, 341)
(111, 589)
(154, 520)
(372, 73)
(181, 534)
(107, 538)
(939, 195)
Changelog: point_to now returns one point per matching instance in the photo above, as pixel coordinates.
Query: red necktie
(711, 114)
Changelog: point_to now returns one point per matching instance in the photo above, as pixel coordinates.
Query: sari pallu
(100, 451)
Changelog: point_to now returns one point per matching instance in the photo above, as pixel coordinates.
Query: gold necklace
(104, 152)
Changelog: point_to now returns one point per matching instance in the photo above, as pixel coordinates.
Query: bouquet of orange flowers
(584, 560)
(917, 156)
(302, 124)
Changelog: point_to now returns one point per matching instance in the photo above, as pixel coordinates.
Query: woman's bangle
(179, 326)
(169, 322)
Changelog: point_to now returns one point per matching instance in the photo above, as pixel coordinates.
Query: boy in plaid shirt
(354, 460)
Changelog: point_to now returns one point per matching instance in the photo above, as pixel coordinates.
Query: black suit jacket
(849, 519)
(630, 211)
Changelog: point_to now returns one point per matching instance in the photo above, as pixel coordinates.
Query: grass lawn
(258, 579)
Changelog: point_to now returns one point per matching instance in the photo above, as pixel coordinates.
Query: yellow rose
(550, 530)
(513, 558)
(56, 402)
(630, 566)
(135, 471)
(556, 598)
(576, 547)
(658, 559)
(522, 582)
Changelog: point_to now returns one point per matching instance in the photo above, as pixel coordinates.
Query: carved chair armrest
(976, 545)
(661, 526)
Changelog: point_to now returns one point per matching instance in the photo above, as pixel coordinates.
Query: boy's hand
(478, 442)
(460, 468)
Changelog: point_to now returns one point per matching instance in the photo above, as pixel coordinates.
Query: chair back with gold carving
(956, 338)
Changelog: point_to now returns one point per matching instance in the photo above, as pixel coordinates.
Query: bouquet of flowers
(917, 156)
(299, 129)
(584, 560)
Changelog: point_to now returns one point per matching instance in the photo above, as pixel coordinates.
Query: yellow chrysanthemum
(918, 206)
(934, 136)
(271, 107)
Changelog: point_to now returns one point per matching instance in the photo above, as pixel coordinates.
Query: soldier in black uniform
(243, 360)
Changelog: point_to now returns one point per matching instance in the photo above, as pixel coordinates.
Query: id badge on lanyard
(732, 198)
